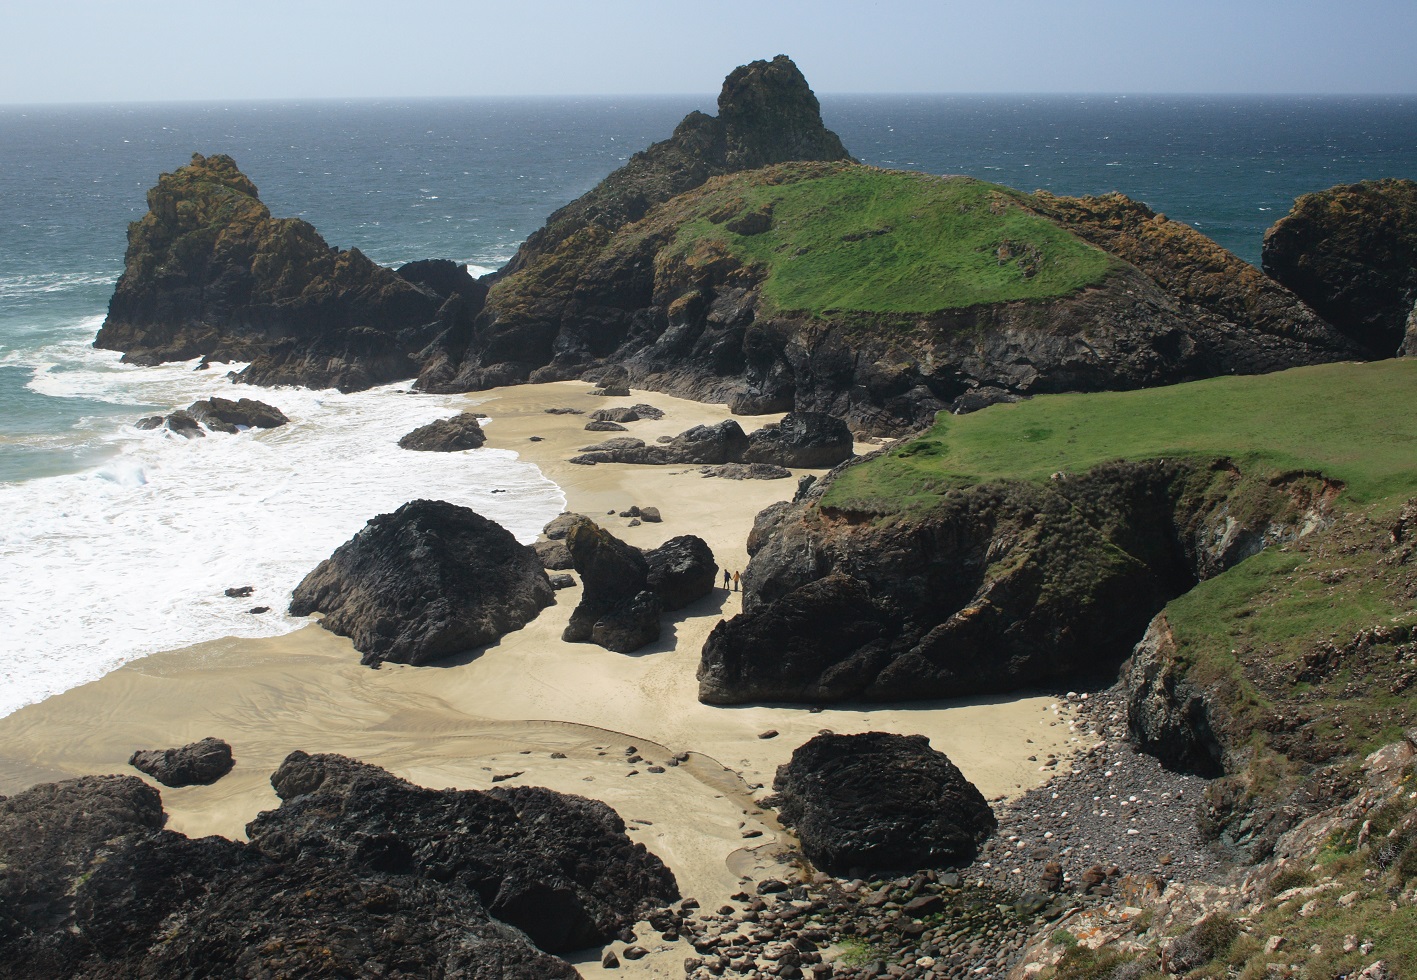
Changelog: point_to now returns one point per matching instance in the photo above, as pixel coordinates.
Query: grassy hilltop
(874, 241)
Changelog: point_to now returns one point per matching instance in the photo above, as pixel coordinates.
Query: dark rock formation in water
(994, 588)
(198, 764)
(452, 435)
(873, 803)
(429, 580)
(226, 415)
(209, 272)
(1350, 252)
(357, 873)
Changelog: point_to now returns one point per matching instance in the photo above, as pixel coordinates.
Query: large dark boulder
(875, 802)
(808, 440)
(429, 580)
(197, 764)
(357, 873)
(208, 272)
(451, 435)
(87, 874)
(681, 570)
(615, 610)
(1350, 252)
(225, 415)
(559, 867)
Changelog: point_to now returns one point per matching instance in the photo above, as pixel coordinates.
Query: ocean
(116, 543)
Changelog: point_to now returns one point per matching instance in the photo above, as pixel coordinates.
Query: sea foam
(134, 556)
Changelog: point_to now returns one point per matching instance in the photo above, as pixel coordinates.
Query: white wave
(38, 283)
(133, 557)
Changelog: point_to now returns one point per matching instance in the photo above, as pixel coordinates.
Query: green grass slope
(844, 237)
(1308, 650)
(1356, 423)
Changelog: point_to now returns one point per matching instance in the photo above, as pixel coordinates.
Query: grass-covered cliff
(1304, 655)
(883, 297)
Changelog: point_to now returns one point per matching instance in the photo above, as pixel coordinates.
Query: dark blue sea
(111, 537)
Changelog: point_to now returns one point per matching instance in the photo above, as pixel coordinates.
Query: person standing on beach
(735, 581)
(725, 580)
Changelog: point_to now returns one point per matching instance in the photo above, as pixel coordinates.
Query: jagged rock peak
(769, 115)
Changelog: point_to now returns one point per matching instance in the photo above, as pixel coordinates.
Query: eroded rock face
(875, 802)
(198, 764)
(614, 611)
(451, 435)
(427, 581)
(1168, 717)
(209, 272)
(806, 440)
(357, 873)
(1350, 252)
(681, 570)
(994, 588)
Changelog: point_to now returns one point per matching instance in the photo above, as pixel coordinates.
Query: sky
(141, 50)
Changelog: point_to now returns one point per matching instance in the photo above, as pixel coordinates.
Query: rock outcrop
(626, 589)
(681, 570)
(429, 580)
(226, 415)
(558, 867)
(766, 114)
(209, 273)
(198, 764)
(356, 873)
(724, 442)
(1167, 714)
(616, 611)
(1350, 252)
(802, 440)
(451, 435)
(865, 805)
(995, 587)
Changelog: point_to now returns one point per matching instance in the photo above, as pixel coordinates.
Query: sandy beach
(505, 709)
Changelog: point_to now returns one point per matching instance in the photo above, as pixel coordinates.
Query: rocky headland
(209, 273)
(1350, 252)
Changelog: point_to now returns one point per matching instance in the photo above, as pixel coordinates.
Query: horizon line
(529, 97)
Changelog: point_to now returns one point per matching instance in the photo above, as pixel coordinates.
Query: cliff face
(209, 272)
(1350, 252)
(993, 588)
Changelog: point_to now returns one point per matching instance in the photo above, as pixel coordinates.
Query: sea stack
(209, 273)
